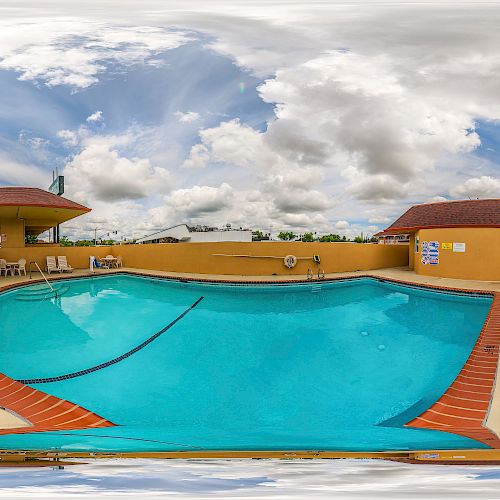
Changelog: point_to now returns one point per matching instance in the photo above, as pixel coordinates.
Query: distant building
(392, 239)
(198, 234)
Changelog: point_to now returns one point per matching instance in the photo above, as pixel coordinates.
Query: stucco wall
(199, 258)
(13, 231)
(480, 261)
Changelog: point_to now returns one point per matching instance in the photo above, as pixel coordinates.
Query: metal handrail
(43, 276)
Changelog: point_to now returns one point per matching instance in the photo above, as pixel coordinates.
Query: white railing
(43, 276)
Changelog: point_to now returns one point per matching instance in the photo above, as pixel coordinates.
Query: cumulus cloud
(477, 187)
(74, 52)
(188, 117)
(99, 172)
(358, 111)
(69, 137)
(379, 219)
(201, 199)
(94, 117)
(342, 224)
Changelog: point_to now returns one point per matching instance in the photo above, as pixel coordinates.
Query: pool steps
(41, 294)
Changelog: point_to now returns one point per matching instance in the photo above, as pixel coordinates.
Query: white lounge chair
(3, 267)
(62, 263)
(51, 264)
(21, 266)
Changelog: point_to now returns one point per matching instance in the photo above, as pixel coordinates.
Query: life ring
(290, 261)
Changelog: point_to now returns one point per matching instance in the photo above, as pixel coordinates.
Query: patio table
(109, 261)
(12, 266)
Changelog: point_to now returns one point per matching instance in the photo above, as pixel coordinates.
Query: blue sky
(303, 116)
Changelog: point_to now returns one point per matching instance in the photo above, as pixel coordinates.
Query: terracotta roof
(34, 197)
(462, 213)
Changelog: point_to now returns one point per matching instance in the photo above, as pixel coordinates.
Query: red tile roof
(462, 213)
(34, 197)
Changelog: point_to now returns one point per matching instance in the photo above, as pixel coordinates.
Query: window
(417, 241)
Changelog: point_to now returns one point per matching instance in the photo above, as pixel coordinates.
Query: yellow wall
(481, 260)
(411, 254)
(198, 258)
(13, 229)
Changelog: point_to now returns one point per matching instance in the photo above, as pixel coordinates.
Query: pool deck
(470, 406)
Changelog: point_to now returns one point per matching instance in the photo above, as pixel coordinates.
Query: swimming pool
(187, 366)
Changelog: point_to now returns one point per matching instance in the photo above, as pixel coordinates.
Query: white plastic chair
(62, 263)
(3, 267)
(51, 264)
(21, 266)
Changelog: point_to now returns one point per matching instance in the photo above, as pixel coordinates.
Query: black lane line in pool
(112, 361)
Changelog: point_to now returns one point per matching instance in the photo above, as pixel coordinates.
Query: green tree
(308, 237)
(331, 238)
(359, 239)
(286, 235)
(84, 243)
(30, 239)
(65, 242)
(257, 235)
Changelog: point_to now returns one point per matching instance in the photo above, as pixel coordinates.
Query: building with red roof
(31, 211)
(454, 239)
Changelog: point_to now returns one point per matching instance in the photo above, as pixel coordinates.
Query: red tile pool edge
(43, 411)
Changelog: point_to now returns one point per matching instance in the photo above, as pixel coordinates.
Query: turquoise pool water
(327, 366)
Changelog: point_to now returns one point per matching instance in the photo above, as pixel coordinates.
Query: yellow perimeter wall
(480, 261)
(199, 258)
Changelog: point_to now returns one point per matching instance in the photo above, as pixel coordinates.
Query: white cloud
(379, 219)
(477, 187)
(74, 52)
(94, 117)
(68, 137)
(99, 172)
(20, 174)
(198, 157)
(201, 199)
(435, 199)
(188, 117)
(342, 224)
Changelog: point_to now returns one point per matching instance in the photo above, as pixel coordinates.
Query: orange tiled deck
(43, 411)
(463, 408)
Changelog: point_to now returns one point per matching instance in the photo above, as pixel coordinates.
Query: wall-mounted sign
(57, 186)
(459, 247)
(446, 246)
(430, 252)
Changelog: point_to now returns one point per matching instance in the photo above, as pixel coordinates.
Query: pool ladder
(43, 276)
